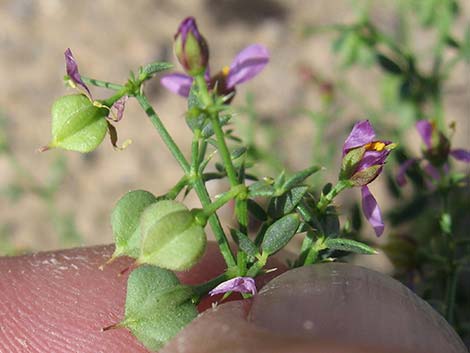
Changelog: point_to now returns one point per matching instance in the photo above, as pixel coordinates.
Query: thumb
(334, 308)
(58, 302)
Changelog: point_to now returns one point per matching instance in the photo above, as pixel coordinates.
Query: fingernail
(352, 305)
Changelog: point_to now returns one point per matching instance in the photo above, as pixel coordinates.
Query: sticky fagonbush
(163, 235)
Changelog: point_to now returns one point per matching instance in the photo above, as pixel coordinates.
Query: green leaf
(238, 152)
(171, 238)
(280, 180)
(280, 233)
(256, 210)
(244, 242)
(155, 67)
(261, 188)
(77, 125)
(349, 245)
(330, 222)
(157, 306)
(388, 65)
(125, 220)
(284, 204)
(300, 177)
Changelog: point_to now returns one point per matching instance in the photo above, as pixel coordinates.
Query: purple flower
(117, 109)
(247, 64)
(371, 210)
(436, 152)
(72, 71)
(237, 284)
(363, 160)
(191, 47)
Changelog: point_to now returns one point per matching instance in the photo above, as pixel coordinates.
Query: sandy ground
(109, 38)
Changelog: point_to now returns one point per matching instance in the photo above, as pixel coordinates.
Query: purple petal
(237, 284)
(361, 134)
(400, 178)
(117, 108)
(72, 71)
(247, 64)
(373, 158)
(461, 155)
(177, 83)
(372, 211)
(186, 26)
(425, 129)
(432, 171)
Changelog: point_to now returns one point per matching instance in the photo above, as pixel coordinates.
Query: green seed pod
(171, 238)
(77, 124)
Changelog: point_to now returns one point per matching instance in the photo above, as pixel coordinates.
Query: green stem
(312, 254)
(325, 200)
(453, 272)
(451, 291)
(210, 209)
(163, 132)
(240, 210)
(195, 153)
(100, 83)
(198, 183)
(204, 288)
(307, 244)
(257, 266)
(118, 95)
(214, 222)
(219, 133)
(175, 190)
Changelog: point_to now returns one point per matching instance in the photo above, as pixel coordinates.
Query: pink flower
(191, 47)
(247, 64)
(363, 160)
(237, 284)
(71, 68)
(436, 153)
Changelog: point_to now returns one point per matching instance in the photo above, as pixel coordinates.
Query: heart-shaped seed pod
(171, 238)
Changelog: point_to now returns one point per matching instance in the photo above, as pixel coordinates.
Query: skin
(60, 301)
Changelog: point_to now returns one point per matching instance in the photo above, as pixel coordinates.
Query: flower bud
(191, 47)
(438, 153)
(171, 238)
(362, 165)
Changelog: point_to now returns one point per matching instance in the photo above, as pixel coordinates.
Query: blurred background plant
(429, 243)
(23, 184)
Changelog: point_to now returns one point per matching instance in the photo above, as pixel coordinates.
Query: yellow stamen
(375, 146)
(225, 70)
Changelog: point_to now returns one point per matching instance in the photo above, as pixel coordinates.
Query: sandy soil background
(109, 38)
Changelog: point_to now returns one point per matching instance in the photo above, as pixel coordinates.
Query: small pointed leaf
(388, 65)
(244, 242)
(286, 203)
(349, 245)
(155, 67)
(261, 188)
(256, 210)
(300, 177)
(280, 233)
